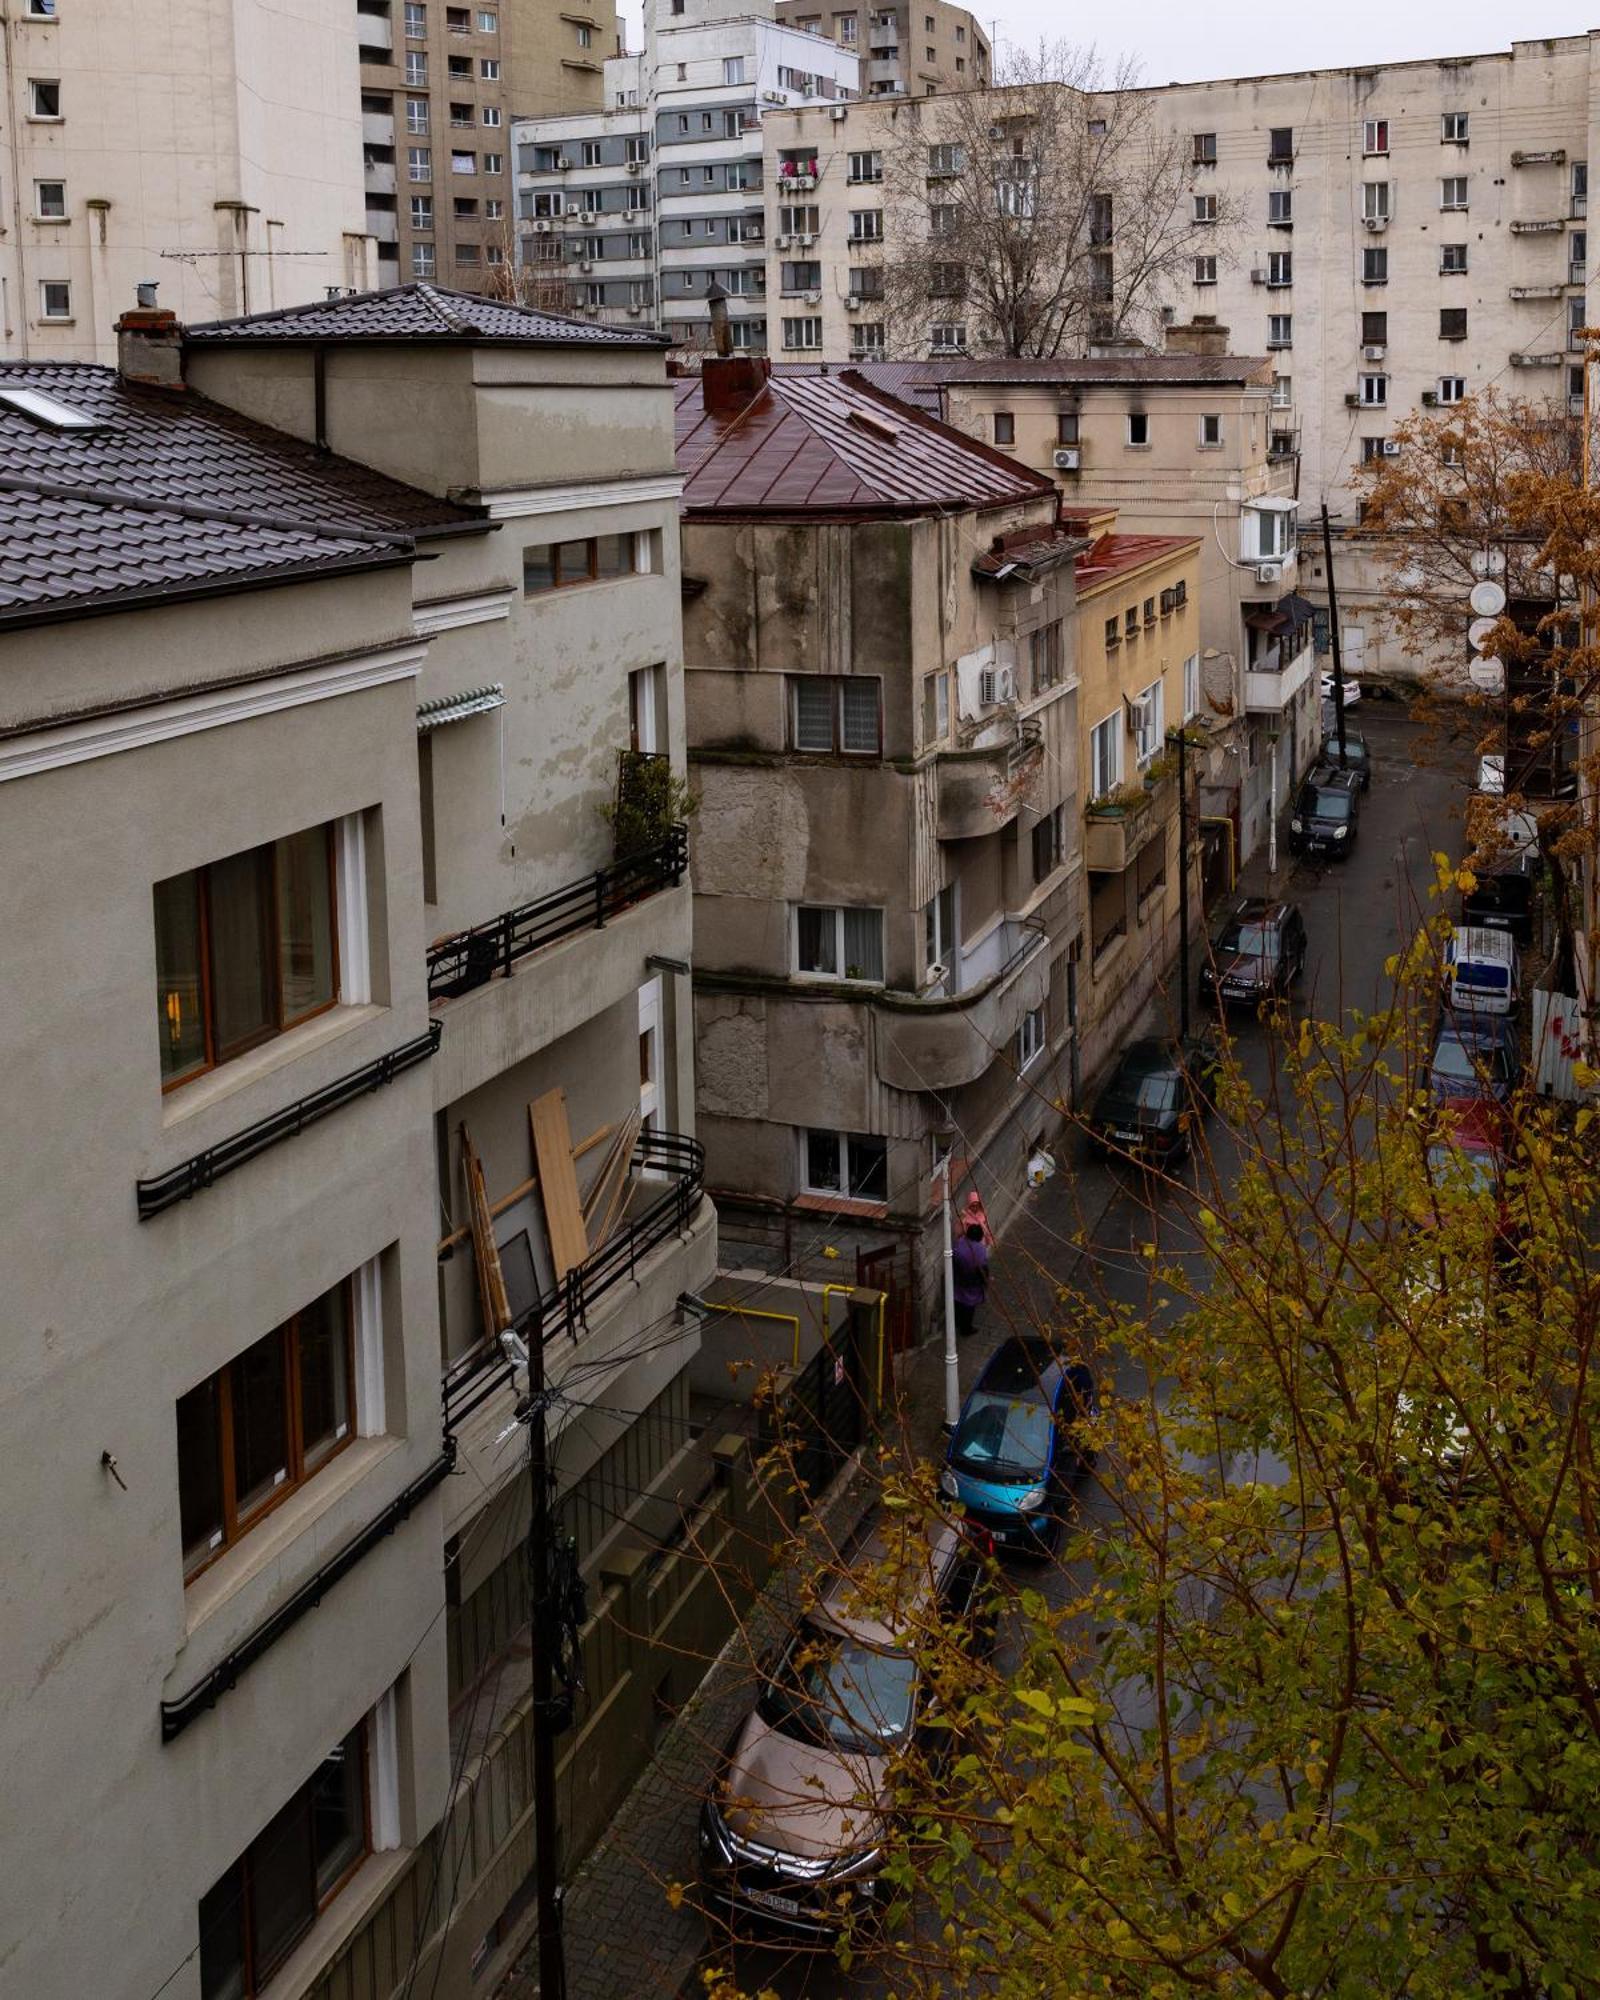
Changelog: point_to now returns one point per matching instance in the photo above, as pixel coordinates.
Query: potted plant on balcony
(1121, 803)
(650, 800)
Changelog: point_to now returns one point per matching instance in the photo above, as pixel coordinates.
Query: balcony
(373, 31)
(946, 1040)
(379, 176)
(383, 225)
(1542, 228)
(377, 128)
(1272, 681)
(1536, 291)
(982, 788)
(1117, 826)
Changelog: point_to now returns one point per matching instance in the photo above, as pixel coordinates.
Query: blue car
(1017, 1448)
(1475, 1056)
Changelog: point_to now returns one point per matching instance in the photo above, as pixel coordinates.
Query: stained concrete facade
(905, 50)
(964, 1033)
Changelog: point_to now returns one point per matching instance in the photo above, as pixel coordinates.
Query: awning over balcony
(457, 707)
(1289, 614)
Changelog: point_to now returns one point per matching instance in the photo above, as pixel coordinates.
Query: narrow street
(1089, 1231)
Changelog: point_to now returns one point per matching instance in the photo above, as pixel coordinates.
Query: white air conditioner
(541, 227)
(572, 208)
(585, 264)
(805, 242)
(1066, 459)
(773, 97)
(1006, 683)
(813, 298)
(636, 166)
(837, 114)
(997, 131)
(1375, 221)
(1391, 447)
(852, 304)
(1268, 572)
(635, 311)
(781, 242)
(1258, 277)
(589, 214)
(563, 165)
(988, 687)
(937, 974)
(1372, 353)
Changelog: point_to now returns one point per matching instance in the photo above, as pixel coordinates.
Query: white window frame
(40, 212)
(733, 69)
(1205, 208)
(1373, 391)
(948, 336)
(1276, 340)
(838, 912)
(1453, 269)
(1280, 269)
(1283, 392)
(1150, 730)
(489, 68)
(1374, 138)
(1210, 430)
(802, 335)
(1105, 754)
(1205, 270)
(1375, 201)
(846, 1140)
(1453, 388)
(1272, 534)
(1191, 687)
(1448, 204)
(1032, 1038)
(866, 225)
(1455, 128)
(35, 85)
(491, 115)
(1280, 206)
(45, 287)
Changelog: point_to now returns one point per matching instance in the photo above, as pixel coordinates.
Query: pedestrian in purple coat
(970, 1263)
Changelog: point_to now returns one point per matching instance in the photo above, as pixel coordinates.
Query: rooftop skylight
(47, 410)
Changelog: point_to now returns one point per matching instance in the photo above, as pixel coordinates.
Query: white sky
(1186, 41)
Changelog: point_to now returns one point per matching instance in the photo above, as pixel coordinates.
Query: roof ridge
(190, 510)
(435, 300)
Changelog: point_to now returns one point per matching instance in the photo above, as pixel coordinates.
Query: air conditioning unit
(781, 242)
(635, 311)
(852, 303)
(813, 298)
(563, 165)
(1005, 681)
(937, 973)
(1268, 572)
(1258, 277)
(988, 687)
(773, 97)
(636, 166)
(1391, 447)
(572, 208)
(1372, 353)
(589, 215)
(837, 114)
(997, 131)
(1066, 459)
(541, 227)
(1351, 400)
(805, 242)
(1375, 221)
(585, 264)
(1430, 398)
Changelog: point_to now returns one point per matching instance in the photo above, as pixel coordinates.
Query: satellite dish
(1488, 598)
(1478, 632)
(1489, 674)
(1488, 562)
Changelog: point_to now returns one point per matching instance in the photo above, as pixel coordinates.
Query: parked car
(791, 1831)
(1257, 954)
(1018, 1443)
(1327, 812)
(1501, 899)
(1475, 1057)
(1352, 689)
(1358, 757)
(1481, 973)
(1156, 1089)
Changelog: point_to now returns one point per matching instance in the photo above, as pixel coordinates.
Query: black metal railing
(472, 1378)
(470, 959)
(168, 1189)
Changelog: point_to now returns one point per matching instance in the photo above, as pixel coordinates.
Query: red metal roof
(831, 444)
(1114, 555)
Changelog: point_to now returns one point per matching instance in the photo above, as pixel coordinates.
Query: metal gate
(822, 1418)
(887, 1270)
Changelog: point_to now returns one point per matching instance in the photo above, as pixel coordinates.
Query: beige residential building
(440, 87)
(310, 750)
(213, 149)
(905, 50)
(883, 720)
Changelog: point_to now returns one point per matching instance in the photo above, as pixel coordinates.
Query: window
(419, 163)
(834, 943)
(495, 163)
(844, 28)
(851, 1164)
(799, 219)
(252, 1917)
(55, 299)
(1373, 390)
(1453, 322)
(417, 114)
(1375, 201)
(463, 163)
(466, 253)
(494, 211)
(491, 114)
(1067, 427)
(1113, 634)
(1105, 755)
(1280, 208)
(636, 151)
(44, 97)
(1205, 208)
(1049, 843)
(1280, 330)
(488, 23)
(836, 713)
(866, 167)
(1282, 392)
(1372, 449)
(1005, 427)
(1210, 429)
(1138, 427)
(866, 225)
(1374, 329)
(1205, 149)
(1453, 191)
(421, 211)
(943, 160)
(1375, 136)
(1205, 270)
(596, 559)
(1191, 686)
(1452, 388)
(1274, 535)
(1045, 655)
(423, 264)
(935, 708)
(947, 337)
(1030, 1037)
(461, 114)
(416, 19)
(1280, 146)
(1280, 268)
(489, 68)
(1148, 722)
(939, 942)
(1453, 128)
(942, 219)
(50, 201)
(264, 1425)
(733, 69)
(416, 69)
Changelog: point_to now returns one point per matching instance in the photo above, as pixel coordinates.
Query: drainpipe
(19, 330)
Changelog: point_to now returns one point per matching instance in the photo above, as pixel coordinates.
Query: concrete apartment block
(906, 51)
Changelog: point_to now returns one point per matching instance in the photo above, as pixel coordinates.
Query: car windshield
(1454, 1057)
(1469, 1166)
(1253, 940)
(1329, 803)
(1002, 1437)
(1490, 978)
(833, 1689)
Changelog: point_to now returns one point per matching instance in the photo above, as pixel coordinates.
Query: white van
(1481, 971)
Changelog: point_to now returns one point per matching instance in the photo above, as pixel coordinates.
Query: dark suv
(1257, 955)
(1327, 812)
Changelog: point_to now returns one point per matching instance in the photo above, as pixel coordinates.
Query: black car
(1257, 955)
(1358, 757)
(1501, 899)
(1155, 1091)
(1327, 812)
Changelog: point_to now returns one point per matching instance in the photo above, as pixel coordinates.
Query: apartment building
(236, 185)
(1192, 442)
(440, 88)
(906, 51)
(640, 210)
(321, 744)
(883, 725)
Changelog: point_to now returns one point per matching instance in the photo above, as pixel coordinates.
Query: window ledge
(266, 1545)
(218, 1085)
(843, 1206)
(344, 1916)
(50, 221)
(1137, 447)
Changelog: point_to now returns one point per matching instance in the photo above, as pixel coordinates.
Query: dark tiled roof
(1031, 550)
(831, 444)
(187, 496)
(421, 312)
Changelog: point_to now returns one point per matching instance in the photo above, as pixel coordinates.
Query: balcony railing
(473, 1377)
(469, 959)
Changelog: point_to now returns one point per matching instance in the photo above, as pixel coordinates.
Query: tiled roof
(1115, 555)
(830, 444)
(1030, 549)
(421, 312)
(171, 493)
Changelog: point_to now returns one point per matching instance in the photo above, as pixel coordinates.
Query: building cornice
(449, 614)
(517, 503)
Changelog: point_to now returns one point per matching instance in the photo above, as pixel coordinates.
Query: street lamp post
(1178, 739)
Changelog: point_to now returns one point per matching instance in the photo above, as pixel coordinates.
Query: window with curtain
(839, 942)
(836, 713)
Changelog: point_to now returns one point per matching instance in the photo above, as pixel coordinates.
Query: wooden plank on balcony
(491, 1281)
(558, 1181)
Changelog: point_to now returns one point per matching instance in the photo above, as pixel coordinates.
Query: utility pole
(1180, 741)
(1272, 807)
(952, 1376)
(1333, 635)
(542, 1638)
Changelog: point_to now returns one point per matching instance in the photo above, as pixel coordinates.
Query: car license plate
(1127, 1137)
(767, 1899)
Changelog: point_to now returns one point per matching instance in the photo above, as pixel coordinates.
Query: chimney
(1201, 336)
(150, 343)
(729, 382)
